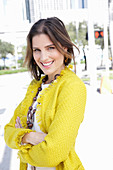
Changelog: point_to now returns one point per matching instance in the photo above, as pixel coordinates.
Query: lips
(47, 64)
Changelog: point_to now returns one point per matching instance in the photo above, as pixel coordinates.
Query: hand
(18, 123)
(34, 138)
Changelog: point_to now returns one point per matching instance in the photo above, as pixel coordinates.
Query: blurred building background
(17, 17)
(67, 10)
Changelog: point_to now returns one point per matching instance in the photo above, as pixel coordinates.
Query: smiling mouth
(47, 64)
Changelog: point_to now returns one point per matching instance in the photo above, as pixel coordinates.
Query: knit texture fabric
(60, 111)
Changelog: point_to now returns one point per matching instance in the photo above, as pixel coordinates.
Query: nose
(44, 56)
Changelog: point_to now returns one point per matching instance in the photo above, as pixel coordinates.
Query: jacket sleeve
(12, 135)
(62, 131)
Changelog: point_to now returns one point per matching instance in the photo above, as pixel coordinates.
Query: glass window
(72, 4)
(82, 3)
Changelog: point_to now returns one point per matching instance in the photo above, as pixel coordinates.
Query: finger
(16, 126)
(18, 120)
(20, 123)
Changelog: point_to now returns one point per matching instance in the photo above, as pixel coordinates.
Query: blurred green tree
(5, 48)
(23, 54)
(78, 36)
(71, 29)
(82, 30)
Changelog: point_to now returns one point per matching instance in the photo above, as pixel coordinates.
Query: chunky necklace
(31, 111)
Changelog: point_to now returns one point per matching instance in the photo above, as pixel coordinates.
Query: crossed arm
(61, 133)
(33, 138)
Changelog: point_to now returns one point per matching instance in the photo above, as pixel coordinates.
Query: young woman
(45, 124)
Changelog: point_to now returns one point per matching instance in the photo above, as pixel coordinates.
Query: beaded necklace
(31, 111)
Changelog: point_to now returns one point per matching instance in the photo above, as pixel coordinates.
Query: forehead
(41, 39)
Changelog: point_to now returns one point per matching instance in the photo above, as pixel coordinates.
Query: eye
(51, 48)
(36, 50)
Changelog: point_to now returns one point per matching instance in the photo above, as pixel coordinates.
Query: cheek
(36, 57)
(58, 56)
(60, 59)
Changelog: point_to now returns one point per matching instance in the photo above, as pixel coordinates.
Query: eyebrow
(50, 45)
(45, 46)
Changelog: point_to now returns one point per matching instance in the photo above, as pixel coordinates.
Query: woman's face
(47, 57)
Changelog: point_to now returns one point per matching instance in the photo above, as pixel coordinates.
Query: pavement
(94, 143)
(12, 90)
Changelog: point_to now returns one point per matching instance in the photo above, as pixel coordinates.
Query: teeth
(47, 64)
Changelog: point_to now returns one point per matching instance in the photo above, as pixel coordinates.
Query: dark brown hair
(55, 29)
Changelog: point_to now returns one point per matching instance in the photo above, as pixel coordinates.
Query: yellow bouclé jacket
(60, 112)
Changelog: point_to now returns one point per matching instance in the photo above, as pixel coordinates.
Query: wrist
(25, 138)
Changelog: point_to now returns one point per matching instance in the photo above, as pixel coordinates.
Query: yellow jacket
(60, 112)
